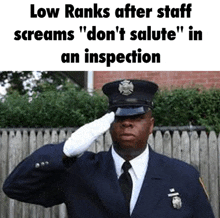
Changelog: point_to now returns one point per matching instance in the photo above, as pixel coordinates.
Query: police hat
(130, 97)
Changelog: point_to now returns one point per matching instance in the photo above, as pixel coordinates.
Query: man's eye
(138, 117)
(134, 118)
(119, 119)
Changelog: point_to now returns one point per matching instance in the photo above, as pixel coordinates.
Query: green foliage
(72, 107)
(193, 106)
(25, 81)
(16, 80)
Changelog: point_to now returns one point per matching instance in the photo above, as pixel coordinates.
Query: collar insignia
(126, 87)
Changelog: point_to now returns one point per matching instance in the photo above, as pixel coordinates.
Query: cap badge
(126, 87)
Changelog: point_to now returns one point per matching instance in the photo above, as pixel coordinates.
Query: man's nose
(127, 123)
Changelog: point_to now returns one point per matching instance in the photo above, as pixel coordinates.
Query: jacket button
(37, 165)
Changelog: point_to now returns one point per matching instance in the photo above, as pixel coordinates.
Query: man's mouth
(127, 136)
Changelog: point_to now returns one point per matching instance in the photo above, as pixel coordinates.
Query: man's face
(130, 134)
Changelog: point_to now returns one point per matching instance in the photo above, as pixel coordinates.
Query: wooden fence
(200, 150)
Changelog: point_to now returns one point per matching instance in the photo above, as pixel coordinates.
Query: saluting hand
(82, 138)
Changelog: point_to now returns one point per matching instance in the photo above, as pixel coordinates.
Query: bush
(193, 106)
(69, 108)
(72, 107)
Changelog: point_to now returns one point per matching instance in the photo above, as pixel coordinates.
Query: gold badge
(126, 87)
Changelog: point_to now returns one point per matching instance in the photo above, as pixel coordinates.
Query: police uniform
(89, 185)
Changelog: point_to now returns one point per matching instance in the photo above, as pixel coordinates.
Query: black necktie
(125, 182)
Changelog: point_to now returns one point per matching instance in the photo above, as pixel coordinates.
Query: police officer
(130, 180)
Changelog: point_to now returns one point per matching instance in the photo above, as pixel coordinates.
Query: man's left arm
(202, 207)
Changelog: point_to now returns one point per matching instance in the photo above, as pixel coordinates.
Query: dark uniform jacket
(90, 188)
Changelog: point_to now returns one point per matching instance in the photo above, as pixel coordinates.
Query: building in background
(94, 80)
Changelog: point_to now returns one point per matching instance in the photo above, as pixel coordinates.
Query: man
(130, 180)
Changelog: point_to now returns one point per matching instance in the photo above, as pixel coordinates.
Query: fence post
(176, 145)
(167, 150)
(158, 147)
(33, 147)
(194, 150)
(25, 153)
(18, 150)
(99, 143)
(107, 141)
(62, 136)
(204, 159)
(3, 173)
(11, 165)
(185, 147)
(213, 172)
(47, 137)
(151, 141)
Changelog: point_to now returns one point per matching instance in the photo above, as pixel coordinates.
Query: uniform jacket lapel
(108, 188)
(153, 189)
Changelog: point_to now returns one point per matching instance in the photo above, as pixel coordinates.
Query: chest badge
(177, 203)
(126, 87)
(176, 200)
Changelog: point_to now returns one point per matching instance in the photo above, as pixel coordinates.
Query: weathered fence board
(151, 141)
(167, 149)
(213, 172)
(201, 150)
(25, 152)
(176, 145)
(11, 165)
(3, 172)
(194, 150)
(204, 159)
(99, 144)
(33, 211)
(158, 146)
(185, 149)
(47, 137)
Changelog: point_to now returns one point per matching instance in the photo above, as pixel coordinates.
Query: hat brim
(130, 111)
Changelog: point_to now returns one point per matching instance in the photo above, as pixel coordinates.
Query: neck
(129, 154)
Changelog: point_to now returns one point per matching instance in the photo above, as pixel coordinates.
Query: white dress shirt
(137, 172)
